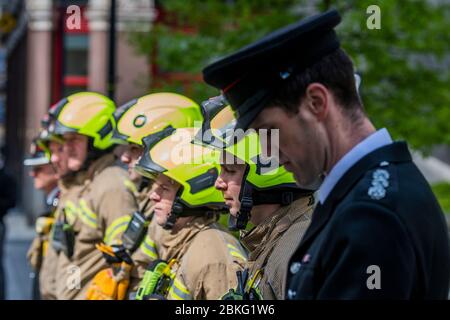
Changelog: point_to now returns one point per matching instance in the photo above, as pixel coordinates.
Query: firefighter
(45, 179)
(136, 119)
(198, 259)
(102, 207)
(258, 190)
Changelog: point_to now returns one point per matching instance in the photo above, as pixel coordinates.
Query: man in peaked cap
(377, 231)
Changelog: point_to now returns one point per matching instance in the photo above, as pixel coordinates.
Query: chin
(234, 211)
(75, 166)
(134, 177)
(160, 216)
(160, 222)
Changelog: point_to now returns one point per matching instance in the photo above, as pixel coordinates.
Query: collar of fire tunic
(175, 244)
(272, 228)
(100, 164)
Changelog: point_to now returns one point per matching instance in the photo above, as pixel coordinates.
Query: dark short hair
(335, 71)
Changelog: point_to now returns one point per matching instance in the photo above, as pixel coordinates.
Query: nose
(154, 196)
(54, 158)
(125, 158)
(220, 184)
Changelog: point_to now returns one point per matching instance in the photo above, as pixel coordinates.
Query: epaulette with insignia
(380, 181)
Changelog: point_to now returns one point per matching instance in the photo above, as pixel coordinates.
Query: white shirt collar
(376, 140)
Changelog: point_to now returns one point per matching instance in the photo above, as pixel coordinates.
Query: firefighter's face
(163, 193)
(76, 147)
(59, 158)
(306, 136)
(230, 182)
(130, 155)
(44, 176)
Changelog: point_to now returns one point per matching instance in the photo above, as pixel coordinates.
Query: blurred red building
(50, 49)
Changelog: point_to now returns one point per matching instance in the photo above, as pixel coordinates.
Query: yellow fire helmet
(47, 134)
(195, 167)
(152, 113)
(86, 113)
(265, 181)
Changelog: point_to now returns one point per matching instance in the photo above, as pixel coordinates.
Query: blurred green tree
(404, 64)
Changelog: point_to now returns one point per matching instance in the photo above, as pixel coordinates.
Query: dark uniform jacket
(380, 234)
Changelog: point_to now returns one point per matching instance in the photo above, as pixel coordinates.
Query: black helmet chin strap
(145, 182)
(250, 197)
(243, 216)
(175, 212)
(246, 198)
(181, 210)
(280, 196)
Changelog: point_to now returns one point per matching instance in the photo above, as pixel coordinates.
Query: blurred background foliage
(404, 65)
(442, 192)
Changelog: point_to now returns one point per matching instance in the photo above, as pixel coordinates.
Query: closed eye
(228, 170)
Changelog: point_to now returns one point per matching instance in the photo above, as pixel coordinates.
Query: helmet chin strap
(145, 182)
(281, 196)
(181, 210)
(239, 222)
(175, 212)
(250, 197)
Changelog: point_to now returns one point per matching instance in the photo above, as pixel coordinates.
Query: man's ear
(317, 98)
